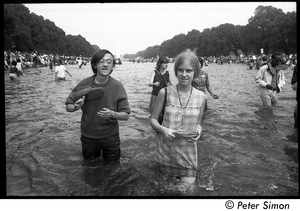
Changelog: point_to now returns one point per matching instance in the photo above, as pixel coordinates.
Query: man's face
(276, 61)
(105, 65)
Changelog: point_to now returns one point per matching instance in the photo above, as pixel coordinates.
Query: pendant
(182, 112)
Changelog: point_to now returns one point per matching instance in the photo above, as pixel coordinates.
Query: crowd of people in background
(36, 59)
(253, 61)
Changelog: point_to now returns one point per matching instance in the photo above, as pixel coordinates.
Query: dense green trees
(270, 28)
(25, 31)
(150, 52)
(273, 30)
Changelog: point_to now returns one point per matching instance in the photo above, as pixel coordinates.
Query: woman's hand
(199, 131)
(169, 134)
(155, 84)
(215, 96)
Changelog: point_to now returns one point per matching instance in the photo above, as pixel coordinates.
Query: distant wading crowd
(26, 60)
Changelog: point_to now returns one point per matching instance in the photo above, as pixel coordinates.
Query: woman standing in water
(159, 79)
(101, 109)
(176, 140)
(201, 82)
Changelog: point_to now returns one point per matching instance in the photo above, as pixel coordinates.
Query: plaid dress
(179, 157)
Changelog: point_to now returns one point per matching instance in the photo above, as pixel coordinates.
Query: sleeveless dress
(162, 79)
(179, 157)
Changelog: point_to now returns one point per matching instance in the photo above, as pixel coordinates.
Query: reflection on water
(245, 149)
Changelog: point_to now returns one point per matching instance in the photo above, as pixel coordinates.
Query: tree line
(29, 32)
(269, 29)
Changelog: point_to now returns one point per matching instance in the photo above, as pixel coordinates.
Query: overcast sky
(132, 27)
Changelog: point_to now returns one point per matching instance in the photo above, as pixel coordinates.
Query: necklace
(183, 108)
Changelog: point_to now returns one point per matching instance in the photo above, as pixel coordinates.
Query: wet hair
(191, 57)
(160, 61)
(98, 56)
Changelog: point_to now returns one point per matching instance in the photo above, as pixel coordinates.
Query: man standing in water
(270, 79)
(60, 71)
(101, 112)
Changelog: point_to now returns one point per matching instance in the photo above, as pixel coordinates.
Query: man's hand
(105, 113)
(79, 103)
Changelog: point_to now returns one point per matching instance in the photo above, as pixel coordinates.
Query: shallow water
(244, 150)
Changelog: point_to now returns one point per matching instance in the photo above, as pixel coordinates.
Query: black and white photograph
(151, 100)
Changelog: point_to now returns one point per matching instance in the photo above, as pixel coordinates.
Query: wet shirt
(114, 98)
(60, 71)
(268, 75)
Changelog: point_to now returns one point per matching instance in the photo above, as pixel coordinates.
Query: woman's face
(185, 74)
(105, 65)
(164, 65)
